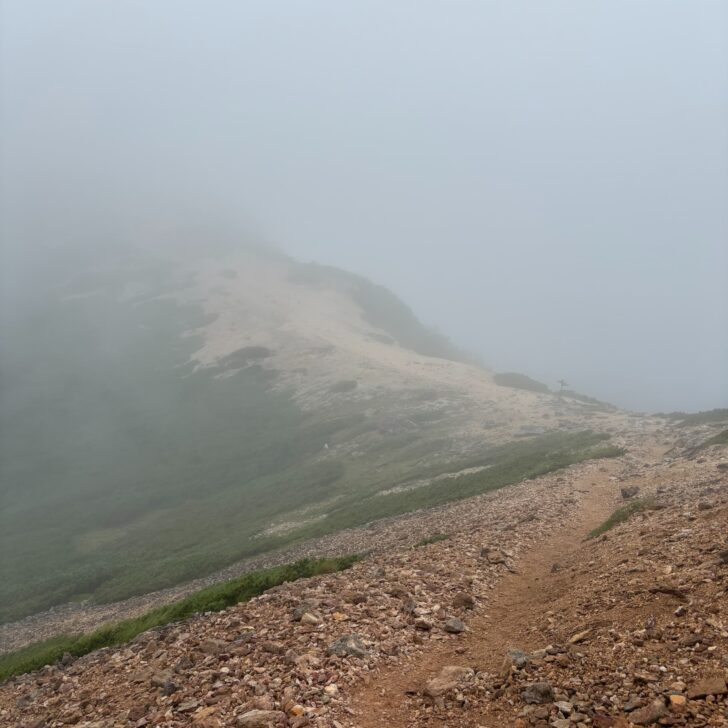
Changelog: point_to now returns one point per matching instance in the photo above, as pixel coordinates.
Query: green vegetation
(596, 403)
(622, 514)
(212, 599)
(696, 418)
(241, 358)
(671, 415)
(705, 418)
(122, 470)
(436, 538)
(520, 381)
(720, 439)
(125, 469)
(505, 465)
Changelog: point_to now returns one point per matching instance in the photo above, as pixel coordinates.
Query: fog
(545, 183)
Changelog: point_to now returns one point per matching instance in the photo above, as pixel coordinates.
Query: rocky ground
(512, 620)
(630, 628)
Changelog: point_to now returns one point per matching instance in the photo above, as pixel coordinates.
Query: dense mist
(545, 183)
(345, 343)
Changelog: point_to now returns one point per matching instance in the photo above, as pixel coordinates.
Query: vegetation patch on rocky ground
(212, 599)
(435, 538)
(520, 381)
(506, 465)
(155, 471)
(707, 417)
(128, 467)
(720, 439)
(622, 514)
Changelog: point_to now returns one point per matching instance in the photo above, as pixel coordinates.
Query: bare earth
(519, 602)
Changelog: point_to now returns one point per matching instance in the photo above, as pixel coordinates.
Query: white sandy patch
(318, 337)
(280, 529)
(415, 484)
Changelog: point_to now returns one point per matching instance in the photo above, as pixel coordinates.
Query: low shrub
(435, 538)
(622, 514)
(520, 381)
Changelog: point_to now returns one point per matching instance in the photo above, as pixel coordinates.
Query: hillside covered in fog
(164, 417)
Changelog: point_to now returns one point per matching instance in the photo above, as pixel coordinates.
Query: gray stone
(160, 679)
(538, 693)
(350, 645)
(463, 600)
(518, 658)
(301, 609)
(454, 625)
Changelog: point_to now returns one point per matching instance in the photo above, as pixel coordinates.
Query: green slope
(123, 470)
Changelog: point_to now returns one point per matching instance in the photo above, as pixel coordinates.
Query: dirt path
(520, 602)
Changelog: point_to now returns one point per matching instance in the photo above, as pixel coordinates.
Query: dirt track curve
(517, 605)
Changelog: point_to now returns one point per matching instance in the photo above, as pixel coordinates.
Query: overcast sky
(545, 182)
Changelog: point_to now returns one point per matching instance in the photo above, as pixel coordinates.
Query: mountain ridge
(507, 617)
(153, 408)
